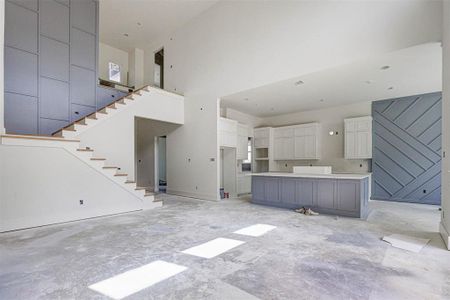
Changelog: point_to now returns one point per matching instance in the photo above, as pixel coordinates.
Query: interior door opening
(159, 69)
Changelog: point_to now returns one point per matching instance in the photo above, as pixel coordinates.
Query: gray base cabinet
(344, 197)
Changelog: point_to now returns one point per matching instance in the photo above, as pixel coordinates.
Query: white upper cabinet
(262, 137)
(307, 141)
(297, 142)
(358, 138)
(228, 133)
(242, 141)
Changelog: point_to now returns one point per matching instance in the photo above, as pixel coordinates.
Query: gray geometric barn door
(406, 162)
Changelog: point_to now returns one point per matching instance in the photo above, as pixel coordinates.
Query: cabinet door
(299, 147)
(325, 193)
(288, 191)
(304, 192)
(347, 195)
(350, 144)
(241, 151)
(310, 146)
(272, 189)
(278, 148)
(288, 148)
(363, 144)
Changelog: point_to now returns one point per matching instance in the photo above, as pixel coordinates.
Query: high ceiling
(144, 21)
(405, 72)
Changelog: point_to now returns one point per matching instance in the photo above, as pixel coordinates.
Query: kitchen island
(335, 194)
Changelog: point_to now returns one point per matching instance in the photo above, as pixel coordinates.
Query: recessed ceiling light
(331, 133)
(139, 23)
(272, 109)
(321, 100)
(390, 88)
(299, 82)
(125, 34)
(369, 81)
(246, 99)
(385, 67)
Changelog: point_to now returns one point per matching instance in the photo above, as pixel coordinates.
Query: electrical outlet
(81, 202)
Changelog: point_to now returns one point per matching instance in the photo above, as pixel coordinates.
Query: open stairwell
(83, 124)
(91, 161)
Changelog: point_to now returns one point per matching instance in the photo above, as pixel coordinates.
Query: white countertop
(330, 176)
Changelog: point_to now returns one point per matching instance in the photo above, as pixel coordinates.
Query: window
(114, 72)
(247, 163)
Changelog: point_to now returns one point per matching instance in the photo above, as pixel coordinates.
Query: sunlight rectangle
(133, 281)
(213, 248)
(255, 230)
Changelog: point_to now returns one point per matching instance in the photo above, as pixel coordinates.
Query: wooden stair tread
(38, 137)
(85, 150)
(98, 158)
(121, 174)
(110, 167)
(129, 181)
(102, 110)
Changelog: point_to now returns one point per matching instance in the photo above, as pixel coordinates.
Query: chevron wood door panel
(406, 161)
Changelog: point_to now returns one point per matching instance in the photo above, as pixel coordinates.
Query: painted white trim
(211, 197)
(444, 234)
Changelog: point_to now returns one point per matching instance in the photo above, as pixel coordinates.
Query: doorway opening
(159, 69)
(161, 164)
(151, 153)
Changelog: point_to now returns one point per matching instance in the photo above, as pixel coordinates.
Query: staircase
(101, 164)
(79, 126)
(87, 155)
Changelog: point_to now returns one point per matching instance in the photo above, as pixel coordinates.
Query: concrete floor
(321, 257)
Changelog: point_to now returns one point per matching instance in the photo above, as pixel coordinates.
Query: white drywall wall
(445, 222)
(2, 47)
(114, 138)
(136, 68)
(109, 54)
(244, 118)
(34, 192)
(330, 119)
(237, 45)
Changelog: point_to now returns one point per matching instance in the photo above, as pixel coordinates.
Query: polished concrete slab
(305, 257)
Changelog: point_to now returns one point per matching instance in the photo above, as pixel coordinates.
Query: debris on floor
(405, 242)
(306, 211)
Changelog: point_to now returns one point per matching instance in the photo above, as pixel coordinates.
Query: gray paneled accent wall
(406, 161)
(51, 52)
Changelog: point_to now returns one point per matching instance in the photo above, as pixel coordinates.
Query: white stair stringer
(88, 157)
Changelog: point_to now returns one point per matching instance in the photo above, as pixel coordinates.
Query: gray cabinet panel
(82, 49)
(272, 189)
(54, 62)
(31, 4)
(83, 14)
(54, 102)
(106, 95)
(304, 192)
(79, 111)
(348, 192)
(20, 72)
(21, 114)
(49, 126)
(54, 20)
(82, 89)
(325, 193)
(288, 190)
(258, 189)
(21, 27)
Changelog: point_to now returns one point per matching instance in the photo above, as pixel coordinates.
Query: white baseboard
(444, 234)
(192, 195)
